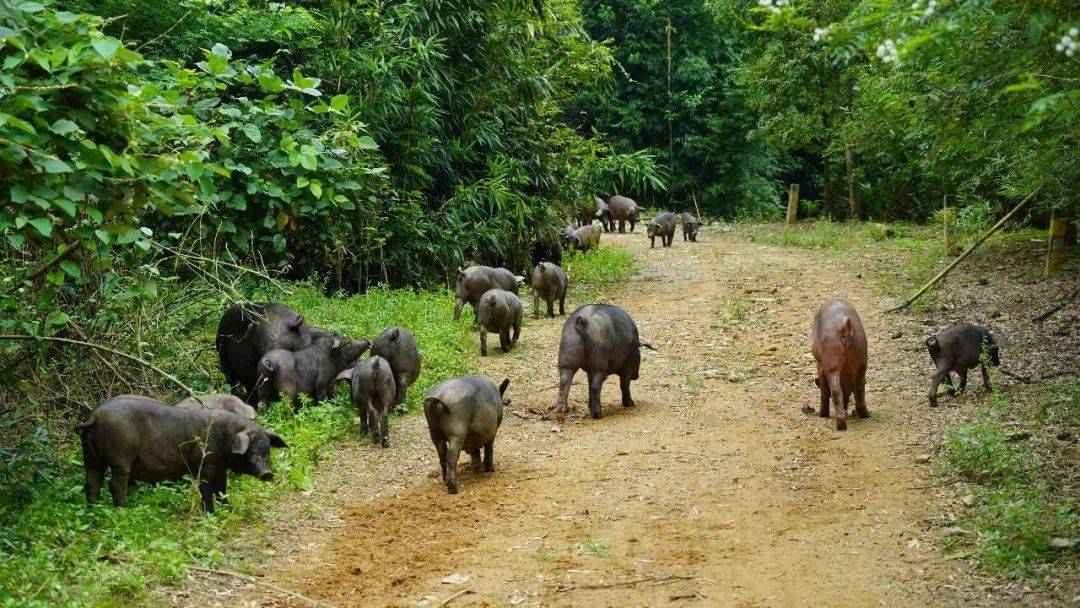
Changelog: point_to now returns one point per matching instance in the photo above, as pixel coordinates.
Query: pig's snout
(266, 476)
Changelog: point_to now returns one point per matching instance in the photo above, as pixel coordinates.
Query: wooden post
(1055, 251)
(792, 203)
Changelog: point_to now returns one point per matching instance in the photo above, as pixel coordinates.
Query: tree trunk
(853, 215)
(826, 199)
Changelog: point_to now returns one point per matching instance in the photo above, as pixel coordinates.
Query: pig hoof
(841, 425)
(451, 488)
(489, 468)
(864, 414)
(824, 414)
(483, 353)
(629, 403)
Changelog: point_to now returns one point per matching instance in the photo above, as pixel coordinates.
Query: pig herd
(268, 351)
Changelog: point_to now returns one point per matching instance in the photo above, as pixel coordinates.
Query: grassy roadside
(1015, 453)
(57, 550)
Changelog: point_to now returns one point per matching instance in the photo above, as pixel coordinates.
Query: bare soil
(717, 489)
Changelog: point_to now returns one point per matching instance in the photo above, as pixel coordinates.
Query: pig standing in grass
(372, 391)
(662, 226)
(141, 439)
(398, 347)
(602, 340)
(500, 311)
(464, 414)
(603, 213)
(549, 283)
(690, 227)
(311, 370)
(223, 401)
(839, 346)
(475, 281)
(585, 238)
(959, 349)
(248, 331)
(622, 209)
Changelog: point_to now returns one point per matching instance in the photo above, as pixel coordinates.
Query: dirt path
(716, 490)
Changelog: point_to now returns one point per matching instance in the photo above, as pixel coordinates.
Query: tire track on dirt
(716, 490)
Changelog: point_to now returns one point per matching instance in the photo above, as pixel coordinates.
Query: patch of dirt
(715, 490)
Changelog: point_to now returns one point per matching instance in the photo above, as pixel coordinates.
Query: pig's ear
(394, 334)
(295, 324)
(240, 442)
(275, 440)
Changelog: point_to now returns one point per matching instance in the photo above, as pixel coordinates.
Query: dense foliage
(876, 108)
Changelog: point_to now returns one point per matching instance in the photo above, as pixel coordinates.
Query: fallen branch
(1046, 315)
(967, 252)
(142, 362)
(252, 579)
(453, 597)
(658, 580)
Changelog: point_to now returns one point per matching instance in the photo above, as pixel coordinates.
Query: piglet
(959, 349)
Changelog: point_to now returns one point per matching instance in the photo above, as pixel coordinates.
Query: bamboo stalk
(967, 251)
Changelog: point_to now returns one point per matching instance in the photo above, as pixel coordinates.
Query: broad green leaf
(71, 269)
(221, 51)
(253, 133)
(316, 189)
(367, 143)
(339, 102)
(106, 47)
(55, 165)
(42, 225)
(64, 126)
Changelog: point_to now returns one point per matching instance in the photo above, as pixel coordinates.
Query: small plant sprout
(1069, 42)
(887, 51)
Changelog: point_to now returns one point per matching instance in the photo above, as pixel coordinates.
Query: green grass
(595, 270)
(595, 548)
(55, 550)
(1019, 504)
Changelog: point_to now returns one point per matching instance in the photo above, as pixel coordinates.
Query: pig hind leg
(985, 376)
(562, 304)
(453, 451)
(504, 340)
(95, 475)
(860, 395)
(566, 378)
(384, 428)
(440, 448)
(489, 456)
(551, 308)
(596, 382)
(624, 386)
(963, 380)
(477, 463)
(401, 385)
(823, 385)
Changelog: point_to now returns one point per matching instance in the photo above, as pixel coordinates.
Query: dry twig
(252, 579)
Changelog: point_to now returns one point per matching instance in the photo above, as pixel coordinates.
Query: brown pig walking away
(839, 346)
(464, 414)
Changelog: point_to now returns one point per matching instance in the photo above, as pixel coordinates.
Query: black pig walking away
(372, 391)
(464, 414)
(549, 283)
(398, 347)
(474, 281)
(141, 439)
(602, 340)
(958, 349)
(500, 312)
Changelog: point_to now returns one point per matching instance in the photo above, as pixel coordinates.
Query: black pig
(959, 349)
(141, 439)
(464, 414)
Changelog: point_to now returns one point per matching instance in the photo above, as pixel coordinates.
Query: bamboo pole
(792, 204)
(967, 251)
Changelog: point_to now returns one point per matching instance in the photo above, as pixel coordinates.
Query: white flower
(1069, 43)
(1059, 47)
(1070, 52)
(1075, 33)
(915, 5)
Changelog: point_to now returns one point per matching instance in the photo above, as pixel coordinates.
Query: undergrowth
(593, 271)
(55, 550)
(1020, 503)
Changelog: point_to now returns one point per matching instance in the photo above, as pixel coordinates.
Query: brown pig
(839, 345)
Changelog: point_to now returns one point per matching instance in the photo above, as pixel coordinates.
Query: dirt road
(716, 490)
